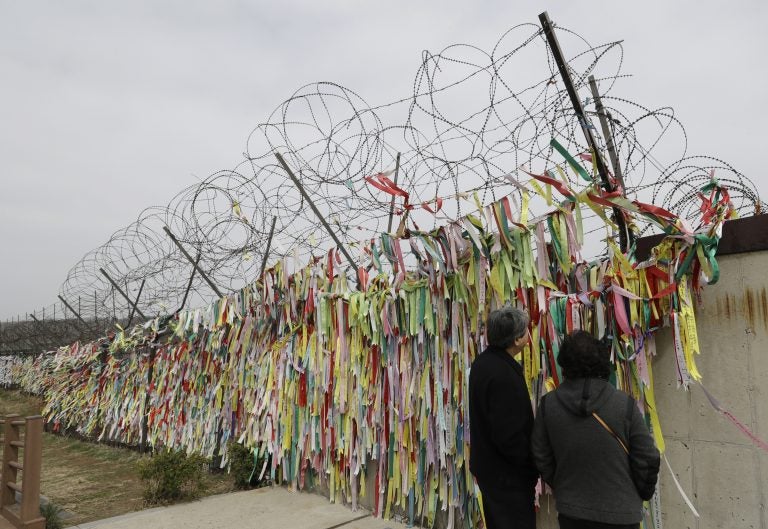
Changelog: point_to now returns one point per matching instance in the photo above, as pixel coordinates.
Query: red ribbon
(557, 184)
(383, 183)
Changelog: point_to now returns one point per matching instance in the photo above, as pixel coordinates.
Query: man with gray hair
(500, 424)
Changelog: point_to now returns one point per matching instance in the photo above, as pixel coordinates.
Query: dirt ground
(90, 481)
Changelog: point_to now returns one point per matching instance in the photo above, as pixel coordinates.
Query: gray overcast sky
(109, 107)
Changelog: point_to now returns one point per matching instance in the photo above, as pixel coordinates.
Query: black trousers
(508, 508)
(572, 523)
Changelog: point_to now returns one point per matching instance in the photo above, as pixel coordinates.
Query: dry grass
(90, 481)
(16, 402)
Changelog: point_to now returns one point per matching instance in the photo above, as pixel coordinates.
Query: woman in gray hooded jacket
(591, 445)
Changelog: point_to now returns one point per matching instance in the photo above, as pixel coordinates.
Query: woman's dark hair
(583, 356)
(506, 325)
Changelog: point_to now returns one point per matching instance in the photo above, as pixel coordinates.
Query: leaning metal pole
(562, 66)
(320, 217)
(194, 263)
(120, 291)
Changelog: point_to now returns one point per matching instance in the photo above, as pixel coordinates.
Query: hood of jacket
(582, 396)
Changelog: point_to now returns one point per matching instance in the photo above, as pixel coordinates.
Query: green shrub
(52, 514)
(242, 466)
(172, 476)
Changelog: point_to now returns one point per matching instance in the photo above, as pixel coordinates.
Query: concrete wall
(723, 472)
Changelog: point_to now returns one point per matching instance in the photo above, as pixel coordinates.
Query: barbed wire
(473, 120)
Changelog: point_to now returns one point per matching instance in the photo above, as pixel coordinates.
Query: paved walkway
(266, 508)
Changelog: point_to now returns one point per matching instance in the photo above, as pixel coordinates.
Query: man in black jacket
(500, 424)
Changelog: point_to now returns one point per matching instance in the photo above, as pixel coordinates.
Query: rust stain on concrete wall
(764, 306)
(751, 305)
(726, 306)
(748, 305)
(755, 307)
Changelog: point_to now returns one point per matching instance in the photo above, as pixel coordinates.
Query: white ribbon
(680, 489)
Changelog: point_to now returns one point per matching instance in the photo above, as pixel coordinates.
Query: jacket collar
(501, 353)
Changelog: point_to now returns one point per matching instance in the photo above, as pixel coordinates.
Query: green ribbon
(555, 240)
(504, 222)
(576, 166)
(709, 247)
